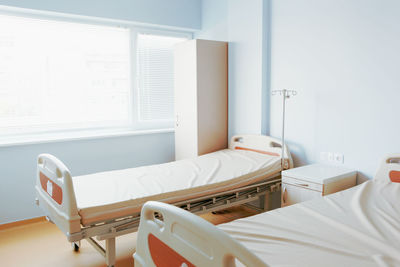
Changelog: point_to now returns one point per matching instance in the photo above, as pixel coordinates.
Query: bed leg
(76, 245)
(110, 252)
(264, 202)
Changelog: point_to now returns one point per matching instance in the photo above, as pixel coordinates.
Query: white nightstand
(316, 180)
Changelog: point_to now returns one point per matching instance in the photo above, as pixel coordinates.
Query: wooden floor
(42, 244)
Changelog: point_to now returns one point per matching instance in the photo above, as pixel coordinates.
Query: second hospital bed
(107, 204)
(359, 226)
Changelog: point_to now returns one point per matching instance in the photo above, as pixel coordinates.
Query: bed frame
(390, 168)
(55, 195)
(169, 236)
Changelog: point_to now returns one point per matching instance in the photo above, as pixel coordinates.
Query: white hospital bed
(107, 204)
(356, 227)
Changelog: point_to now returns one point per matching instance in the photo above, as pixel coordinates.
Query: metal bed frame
(55, 195)
(112, 229)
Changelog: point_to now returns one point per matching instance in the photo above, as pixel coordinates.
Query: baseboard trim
(21, 223)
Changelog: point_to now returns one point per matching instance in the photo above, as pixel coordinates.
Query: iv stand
(285, 93)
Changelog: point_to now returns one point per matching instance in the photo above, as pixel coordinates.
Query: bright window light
(57, 75)
(155, 77)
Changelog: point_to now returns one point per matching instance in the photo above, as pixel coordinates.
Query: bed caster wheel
(76, 246)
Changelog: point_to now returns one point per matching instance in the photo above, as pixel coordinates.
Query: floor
(42, 244)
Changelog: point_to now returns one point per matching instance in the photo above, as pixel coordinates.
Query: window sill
(74, 136)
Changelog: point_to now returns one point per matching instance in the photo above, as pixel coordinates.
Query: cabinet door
(185, 100)
(292, 194)
(212, 96)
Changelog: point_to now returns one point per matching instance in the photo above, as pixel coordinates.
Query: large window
(58, 76)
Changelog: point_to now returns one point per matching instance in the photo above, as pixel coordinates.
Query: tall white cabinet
(201, 97)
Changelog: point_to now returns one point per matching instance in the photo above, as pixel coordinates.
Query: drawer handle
(305, 185)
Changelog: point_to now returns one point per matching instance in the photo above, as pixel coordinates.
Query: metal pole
(283, 128)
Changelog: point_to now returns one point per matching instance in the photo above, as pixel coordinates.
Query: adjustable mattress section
(113, 194)
(356, 227)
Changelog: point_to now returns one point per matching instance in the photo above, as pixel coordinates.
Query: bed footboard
(170, 236)
(55, 194)
(262, 144)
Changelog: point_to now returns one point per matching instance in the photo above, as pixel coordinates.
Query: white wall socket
(332, 157)
(338, 158)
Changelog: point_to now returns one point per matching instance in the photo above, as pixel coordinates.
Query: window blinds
(155, 77)
(61, 75)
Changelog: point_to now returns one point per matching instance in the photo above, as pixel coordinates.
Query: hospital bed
(356, 227)
(102, 206)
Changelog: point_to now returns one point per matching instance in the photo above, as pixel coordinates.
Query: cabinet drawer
(303, 184)
(292, 194)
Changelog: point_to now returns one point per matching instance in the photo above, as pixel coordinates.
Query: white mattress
(114, 194)
(356, 227)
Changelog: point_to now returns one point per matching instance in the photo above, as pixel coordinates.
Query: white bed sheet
(117, 193)
(356, 227)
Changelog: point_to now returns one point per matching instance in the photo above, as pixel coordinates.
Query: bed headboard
(262, 144)
(389, 169)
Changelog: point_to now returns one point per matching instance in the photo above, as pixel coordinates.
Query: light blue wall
(245, 66)
(214, 20)
(240, 22)
(342, 56)
(177, 13)
(17, 163)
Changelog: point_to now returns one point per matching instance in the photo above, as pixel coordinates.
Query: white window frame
(135, 127)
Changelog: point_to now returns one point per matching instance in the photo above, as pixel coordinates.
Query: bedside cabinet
(316, 180)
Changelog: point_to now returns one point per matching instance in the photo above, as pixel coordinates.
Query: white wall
(342, 56)
(18, 163)
(241, 23)
(177, 13)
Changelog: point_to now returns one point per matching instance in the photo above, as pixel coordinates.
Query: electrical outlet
(331, 156)
(338, 158)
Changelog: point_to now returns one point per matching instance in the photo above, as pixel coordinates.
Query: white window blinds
(58, 75)
(155, 77)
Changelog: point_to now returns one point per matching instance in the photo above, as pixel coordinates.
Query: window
(62, 76)
(155, 78)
